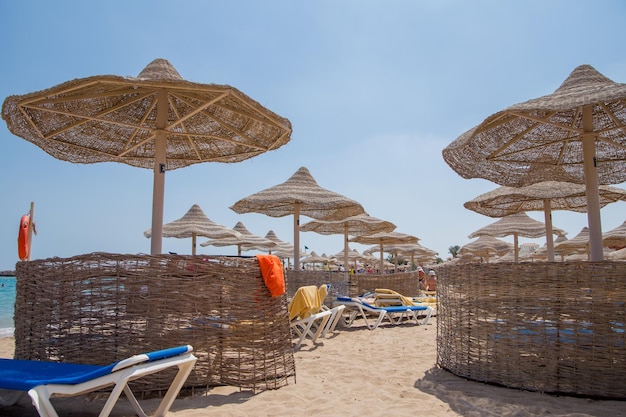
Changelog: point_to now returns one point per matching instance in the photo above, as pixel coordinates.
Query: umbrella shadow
(478, 399)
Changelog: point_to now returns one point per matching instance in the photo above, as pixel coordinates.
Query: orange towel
(272, 271)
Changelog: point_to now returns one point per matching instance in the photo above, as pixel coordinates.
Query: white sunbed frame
(395, 314)
(122, 373)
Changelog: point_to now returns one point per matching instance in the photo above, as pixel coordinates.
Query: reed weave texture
(405, 283)
(557, 327)
(98, 308)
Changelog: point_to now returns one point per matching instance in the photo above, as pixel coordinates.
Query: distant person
(431, 282)
(421, 276)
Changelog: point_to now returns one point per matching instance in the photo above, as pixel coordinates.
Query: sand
(389, 371)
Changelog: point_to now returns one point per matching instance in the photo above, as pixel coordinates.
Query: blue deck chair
(395, 314)
(43, 380)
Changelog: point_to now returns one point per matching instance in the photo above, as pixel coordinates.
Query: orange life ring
(22, 238)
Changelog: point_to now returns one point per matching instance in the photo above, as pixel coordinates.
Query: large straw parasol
(156, 120)
(361, 224)
(193, 224)
(517, 224)
(382, 239)
(300, 194)
(485, 247)
(615, 238)
(246, 240)
(543, 196)
(575, 134)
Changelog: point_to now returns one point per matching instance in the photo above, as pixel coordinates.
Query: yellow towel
(406, 301)
(323, 291)
(306, 301)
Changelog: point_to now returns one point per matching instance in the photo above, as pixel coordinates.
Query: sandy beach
(358, 372)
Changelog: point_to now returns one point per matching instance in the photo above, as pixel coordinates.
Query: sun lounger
(43, 380)
(395, 314)
(384, 297)
(307, 318)
(336, 311)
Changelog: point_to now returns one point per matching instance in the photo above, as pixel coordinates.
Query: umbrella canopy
(541, 253)
(361, 224)
(542, 196)
(195, 223)
(280, 244)
(313, 258)
(384, 238)
(615, 238)
(156, 120)
(577, 244)
(300, 194)
(517, 224)
(245, 240)
(486, 246)
(618, 255)
(575, 134)
(414, 250)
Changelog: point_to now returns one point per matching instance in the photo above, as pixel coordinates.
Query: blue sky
(374, 90)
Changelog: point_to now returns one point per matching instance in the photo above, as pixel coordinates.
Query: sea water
(7, 305)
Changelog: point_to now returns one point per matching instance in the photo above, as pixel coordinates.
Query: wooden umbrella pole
(296, 236)
(547, 211)
(160, 160)
(346, 250)
(591, 183)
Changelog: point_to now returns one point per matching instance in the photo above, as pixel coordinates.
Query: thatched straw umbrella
(361, 224)
(193, 224)
(414, 250)
(543, 196)
(384, 238)
(517, 224)
(246, 241)
(615, 238)
(575, 134)
(157, 121)
(618, 255)
(300, 194)
(485, 247)
(577, 244)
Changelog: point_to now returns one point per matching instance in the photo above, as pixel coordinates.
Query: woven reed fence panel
(554, 327)
(405, 283)
(100, 307)
(338, 284)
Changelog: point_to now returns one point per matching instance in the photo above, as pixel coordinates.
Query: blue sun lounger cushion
(44, 379)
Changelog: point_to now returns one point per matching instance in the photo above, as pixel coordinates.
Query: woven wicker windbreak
(557, 327)
(100, 307)
(406, 283)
